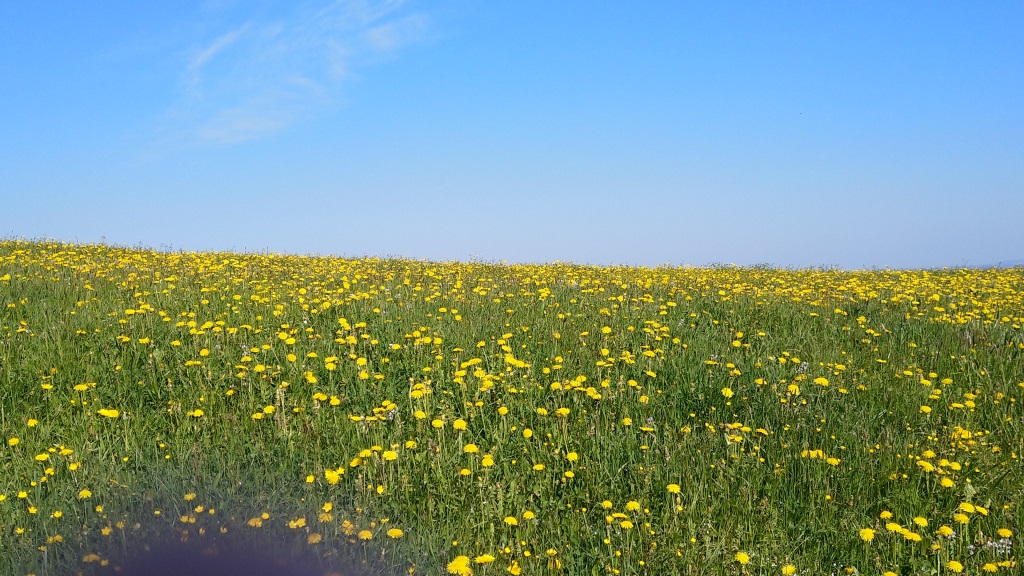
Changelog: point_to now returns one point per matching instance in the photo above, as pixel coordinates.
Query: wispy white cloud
(263, 74)
(216, 46)
(395, 34)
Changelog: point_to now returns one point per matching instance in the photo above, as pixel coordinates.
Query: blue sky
(851, 134)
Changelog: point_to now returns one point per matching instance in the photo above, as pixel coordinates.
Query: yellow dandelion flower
(460, 566)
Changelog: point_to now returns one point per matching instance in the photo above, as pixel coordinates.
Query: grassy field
(412, 417)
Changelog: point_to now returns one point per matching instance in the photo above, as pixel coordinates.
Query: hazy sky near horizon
(851, 134)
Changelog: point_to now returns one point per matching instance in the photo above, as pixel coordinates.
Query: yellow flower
(944, 531)
(743, 558)
(867, 534)
(955, 566)
(885, 515)
(460, 566)
(727, 392)
(514, 569)
(484, 559)
(921, 521)
(788, 570)
(1004, 532)
(511, 521)
(390, 455)
(990, 567)
(395, 533)
(673, 488)
(437, 423)
(471, 449)
(108, 412)
(365, 535)
(632, 506)
(313, 538)
(83, 494)
(459, 424)
(487, 461)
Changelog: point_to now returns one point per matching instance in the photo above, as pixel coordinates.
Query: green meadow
(394, 416)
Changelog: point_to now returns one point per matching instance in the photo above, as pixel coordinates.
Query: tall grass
(429, 418)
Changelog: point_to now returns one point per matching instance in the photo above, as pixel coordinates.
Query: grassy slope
(668, 393)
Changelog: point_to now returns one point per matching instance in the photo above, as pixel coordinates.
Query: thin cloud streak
(213, 49)
(265, 75)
